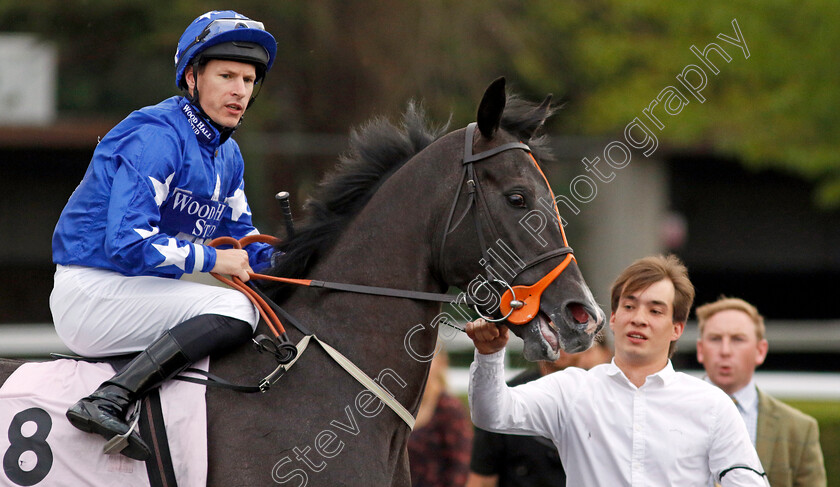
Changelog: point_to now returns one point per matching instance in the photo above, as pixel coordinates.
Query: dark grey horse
(398, 213)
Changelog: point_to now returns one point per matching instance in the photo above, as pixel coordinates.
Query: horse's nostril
(579, 313)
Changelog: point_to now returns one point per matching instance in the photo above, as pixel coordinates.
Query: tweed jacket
(787, 442)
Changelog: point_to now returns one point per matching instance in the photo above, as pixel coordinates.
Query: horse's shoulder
(7, 366)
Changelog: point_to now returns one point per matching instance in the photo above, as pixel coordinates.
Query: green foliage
(339, 63)
(775, 109)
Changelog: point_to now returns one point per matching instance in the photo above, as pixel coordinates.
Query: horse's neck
(388, 244)
(389, 248)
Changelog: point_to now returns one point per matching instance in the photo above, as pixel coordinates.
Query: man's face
(224, 89)
(643, 324)
(730, 350)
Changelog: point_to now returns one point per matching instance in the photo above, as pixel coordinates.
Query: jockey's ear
(491, 107)
(189, 79)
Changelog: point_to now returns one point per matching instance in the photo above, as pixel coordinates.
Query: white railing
(784, 336)
(36, 341)
(29, 341)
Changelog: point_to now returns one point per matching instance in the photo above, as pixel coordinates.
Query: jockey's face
(224, 89)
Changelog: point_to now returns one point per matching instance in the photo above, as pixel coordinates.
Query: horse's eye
(516, 200)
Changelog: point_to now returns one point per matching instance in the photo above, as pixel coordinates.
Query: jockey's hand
(233, 262)
(487, 337)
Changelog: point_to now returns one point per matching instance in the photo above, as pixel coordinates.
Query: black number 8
(36, 443)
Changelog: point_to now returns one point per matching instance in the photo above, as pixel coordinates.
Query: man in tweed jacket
(730, 346)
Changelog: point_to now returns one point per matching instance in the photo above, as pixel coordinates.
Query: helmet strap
(256, 92)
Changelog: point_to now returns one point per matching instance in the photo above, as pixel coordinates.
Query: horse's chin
(544, 341)
(541, 339)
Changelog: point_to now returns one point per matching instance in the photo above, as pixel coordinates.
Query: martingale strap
(359, 375)
(345, 363)
(269, 310)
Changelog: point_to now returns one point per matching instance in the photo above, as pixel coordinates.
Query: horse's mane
(377, 150)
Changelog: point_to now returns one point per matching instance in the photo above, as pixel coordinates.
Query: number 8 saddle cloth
(39, 446)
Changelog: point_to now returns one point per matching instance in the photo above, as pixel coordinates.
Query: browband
(468, 144)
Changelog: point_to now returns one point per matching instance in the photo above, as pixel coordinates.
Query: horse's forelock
(522, 119)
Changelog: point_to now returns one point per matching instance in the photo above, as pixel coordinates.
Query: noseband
(520, 303)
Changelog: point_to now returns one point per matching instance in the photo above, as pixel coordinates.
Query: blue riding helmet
(225, 34)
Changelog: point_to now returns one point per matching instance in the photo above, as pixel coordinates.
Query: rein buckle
(282, 349)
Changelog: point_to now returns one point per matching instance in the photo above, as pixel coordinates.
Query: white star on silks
(173, 254)
(144, 234)
(161, 188)
(238, 205)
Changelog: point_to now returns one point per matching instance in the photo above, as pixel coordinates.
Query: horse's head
(523, 272)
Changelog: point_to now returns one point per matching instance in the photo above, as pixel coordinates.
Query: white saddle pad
(39, 446)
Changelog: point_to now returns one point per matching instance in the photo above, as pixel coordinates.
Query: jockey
(160, 184)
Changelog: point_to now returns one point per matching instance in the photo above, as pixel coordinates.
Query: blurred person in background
(501, 460)
(162, 184)
(439, 446)
(730, 345)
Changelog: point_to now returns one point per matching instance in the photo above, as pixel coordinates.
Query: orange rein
(264, 308)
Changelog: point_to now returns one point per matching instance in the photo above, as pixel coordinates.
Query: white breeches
(98, 312)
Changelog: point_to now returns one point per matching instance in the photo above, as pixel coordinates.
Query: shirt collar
(664, 377)
(747, 397)
(204, 131)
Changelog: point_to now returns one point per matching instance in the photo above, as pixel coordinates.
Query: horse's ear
(491, 107)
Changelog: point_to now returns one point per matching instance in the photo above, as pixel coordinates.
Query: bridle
(519, 304)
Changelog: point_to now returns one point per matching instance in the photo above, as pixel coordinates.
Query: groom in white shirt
(634, 422)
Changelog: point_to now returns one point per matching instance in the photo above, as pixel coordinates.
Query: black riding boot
(104, 411)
